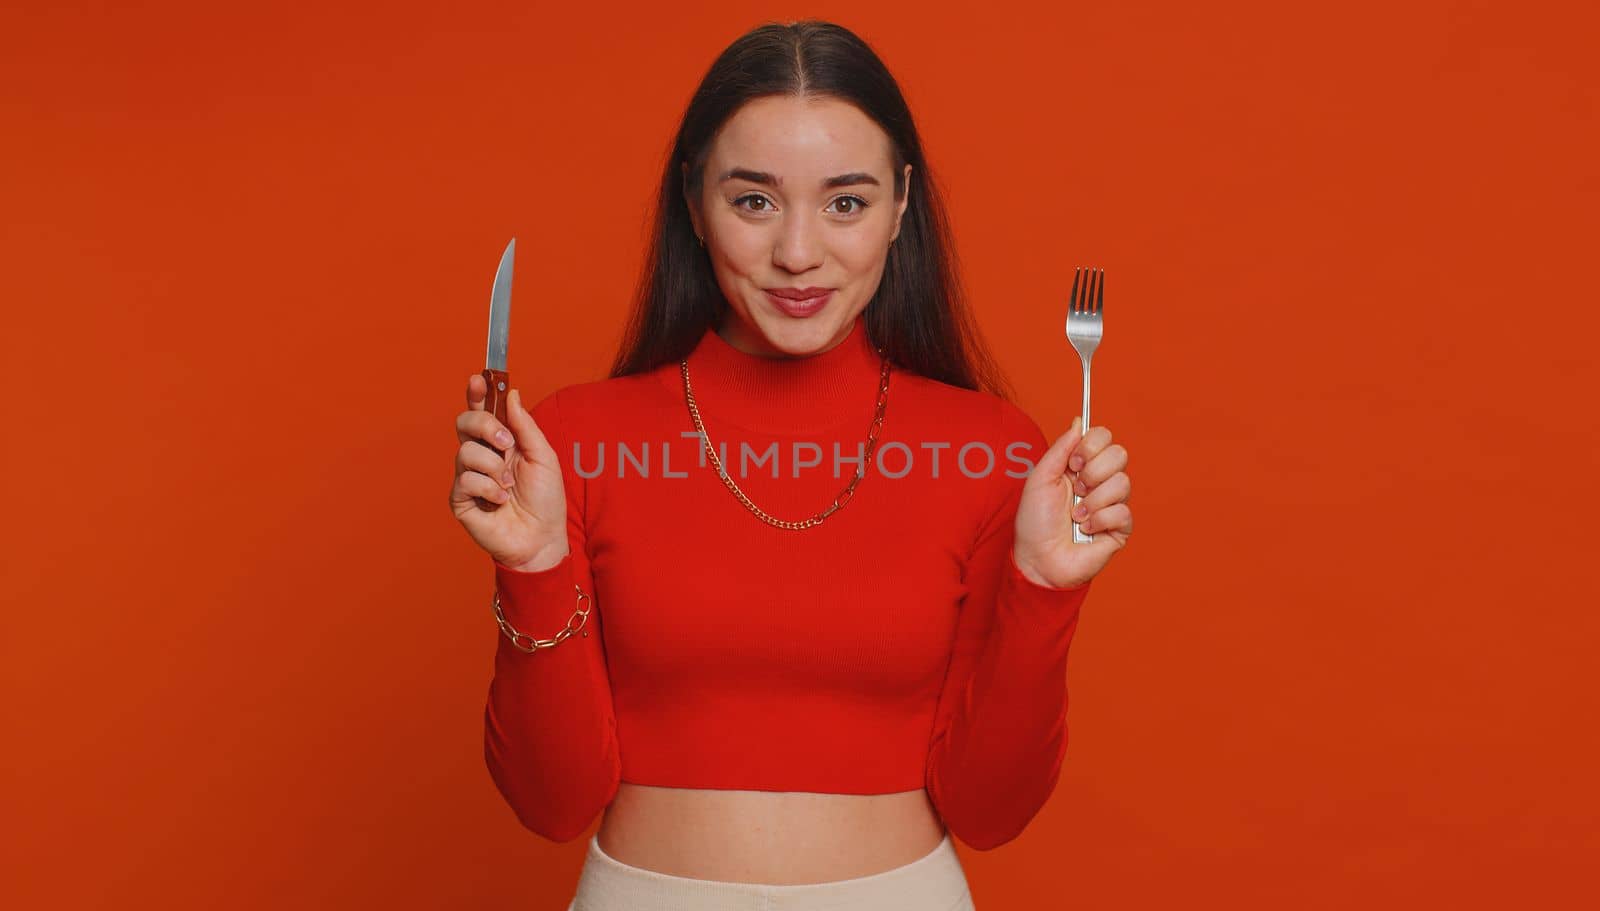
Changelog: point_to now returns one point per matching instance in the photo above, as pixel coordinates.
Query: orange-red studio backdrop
(1346, 659)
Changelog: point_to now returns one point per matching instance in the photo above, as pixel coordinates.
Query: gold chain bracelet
(581, 612)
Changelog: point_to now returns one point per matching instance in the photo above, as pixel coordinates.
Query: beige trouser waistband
(933, 882)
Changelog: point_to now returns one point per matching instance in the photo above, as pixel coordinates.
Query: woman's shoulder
(576, 406)
(977, 410)
(987, 435)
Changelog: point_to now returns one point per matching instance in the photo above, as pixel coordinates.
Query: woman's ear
(900, 209)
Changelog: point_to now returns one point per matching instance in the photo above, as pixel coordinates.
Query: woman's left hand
(1090, 464)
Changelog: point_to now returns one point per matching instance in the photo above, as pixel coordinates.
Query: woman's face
(797, 193)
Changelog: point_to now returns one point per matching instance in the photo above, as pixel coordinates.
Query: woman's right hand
(514, 506)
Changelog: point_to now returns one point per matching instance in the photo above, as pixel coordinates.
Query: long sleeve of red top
(550, 733)
(1000, 734)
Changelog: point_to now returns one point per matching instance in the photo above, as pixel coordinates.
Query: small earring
(702, 240)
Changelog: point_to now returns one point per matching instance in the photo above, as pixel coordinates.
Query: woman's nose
(799, 246)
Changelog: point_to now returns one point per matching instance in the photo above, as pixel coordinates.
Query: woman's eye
(856, 203)
(752, 197)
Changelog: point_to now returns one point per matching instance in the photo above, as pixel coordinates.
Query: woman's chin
(798, 338)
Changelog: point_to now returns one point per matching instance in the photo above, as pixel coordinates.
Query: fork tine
(1072, 302)
(1100, 294)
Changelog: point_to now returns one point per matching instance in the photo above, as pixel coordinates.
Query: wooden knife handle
(499, 390)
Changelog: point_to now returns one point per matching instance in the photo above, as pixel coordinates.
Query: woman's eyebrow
(762, 177)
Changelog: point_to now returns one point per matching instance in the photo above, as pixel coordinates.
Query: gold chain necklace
(838, 501)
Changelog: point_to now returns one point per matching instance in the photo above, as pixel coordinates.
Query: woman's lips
(799, 308)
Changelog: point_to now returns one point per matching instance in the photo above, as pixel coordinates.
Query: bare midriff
(768, 837)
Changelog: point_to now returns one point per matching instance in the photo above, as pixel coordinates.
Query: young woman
(786, 685)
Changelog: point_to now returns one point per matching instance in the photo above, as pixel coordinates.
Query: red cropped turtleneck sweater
(893, 647)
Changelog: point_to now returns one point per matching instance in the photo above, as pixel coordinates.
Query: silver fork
(1083, 331)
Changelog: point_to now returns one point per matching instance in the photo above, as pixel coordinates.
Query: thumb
(1053, 464)
(531, 440)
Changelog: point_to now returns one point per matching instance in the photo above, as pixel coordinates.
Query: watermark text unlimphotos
(892, 459)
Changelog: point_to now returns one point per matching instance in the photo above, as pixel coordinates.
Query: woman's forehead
(804, 140)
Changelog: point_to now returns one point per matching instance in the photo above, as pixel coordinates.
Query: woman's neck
(834, 388)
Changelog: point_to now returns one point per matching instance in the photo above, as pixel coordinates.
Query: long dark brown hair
(919, 315)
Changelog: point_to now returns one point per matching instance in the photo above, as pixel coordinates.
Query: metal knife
(494, 365)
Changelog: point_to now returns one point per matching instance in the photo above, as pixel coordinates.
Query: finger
(1095, 439)
(482, 459)
(480, 425)
(1053, 464)
(1083, 490)
(1115, 489)
(471, 485)
(477, 391)
(1116, 517)
(1107, 462)
(531, 441)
